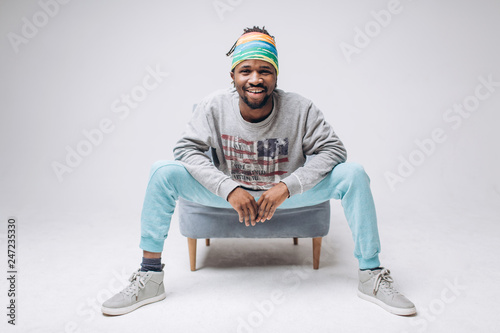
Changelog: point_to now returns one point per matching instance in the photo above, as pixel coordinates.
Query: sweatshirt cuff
(226, 187)
(294, 185)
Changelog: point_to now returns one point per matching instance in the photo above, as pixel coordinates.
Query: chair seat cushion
(199, 221)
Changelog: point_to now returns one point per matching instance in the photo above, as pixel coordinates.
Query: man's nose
(255, 78)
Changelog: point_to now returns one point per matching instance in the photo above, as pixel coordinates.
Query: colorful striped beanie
(255, 45)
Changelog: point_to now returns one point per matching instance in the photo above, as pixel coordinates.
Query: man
(261, 137)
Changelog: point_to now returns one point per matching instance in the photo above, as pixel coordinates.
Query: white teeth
(256, 91)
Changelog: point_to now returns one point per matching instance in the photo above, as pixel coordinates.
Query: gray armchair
(199, 221)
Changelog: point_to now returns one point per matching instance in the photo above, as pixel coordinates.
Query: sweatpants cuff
(151, 244)
(370, 263)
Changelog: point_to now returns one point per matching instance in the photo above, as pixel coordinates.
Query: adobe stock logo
(95, 136)
(437, 306)
(31, 28)
(222, 6)
(454, 116)
(287, 283)
(90, 308)
(363, 37)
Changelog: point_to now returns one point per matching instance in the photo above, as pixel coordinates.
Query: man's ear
(232, 75)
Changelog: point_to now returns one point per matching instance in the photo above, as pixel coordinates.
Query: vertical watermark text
(12, 270)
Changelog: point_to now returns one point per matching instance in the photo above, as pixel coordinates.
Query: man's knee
(157, 165)
(352, 171)
(167, 169)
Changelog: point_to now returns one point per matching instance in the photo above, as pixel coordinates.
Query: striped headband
(255, 45)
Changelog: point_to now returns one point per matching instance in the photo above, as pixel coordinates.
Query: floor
(259, 285)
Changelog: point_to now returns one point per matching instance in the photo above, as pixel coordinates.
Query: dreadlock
(247, 30)
(257, 29)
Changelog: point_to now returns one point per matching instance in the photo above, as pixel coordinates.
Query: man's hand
(244, 203)
(270, 200)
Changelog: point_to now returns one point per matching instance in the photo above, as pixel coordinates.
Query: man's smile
(256, 91)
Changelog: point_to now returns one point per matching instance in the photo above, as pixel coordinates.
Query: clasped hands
(252, 212)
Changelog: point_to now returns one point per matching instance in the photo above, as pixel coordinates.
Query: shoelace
(384, 281)
(137, 283)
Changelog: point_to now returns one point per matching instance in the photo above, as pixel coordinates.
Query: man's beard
(256, 105)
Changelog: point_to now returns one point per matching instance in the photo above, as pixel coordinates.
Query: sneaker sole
(130, 308)
(391, 309)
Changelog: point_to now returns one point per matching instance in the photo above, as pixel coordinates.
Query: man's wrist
(234, 189)
(293, 184)
(288, 191)
(227, 186)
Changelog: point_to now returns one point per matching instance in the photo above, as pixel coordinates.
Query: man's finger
(247, 216)
(253, 213)
(262, 203)
(271, 213)
(261, 214)
(265, 211)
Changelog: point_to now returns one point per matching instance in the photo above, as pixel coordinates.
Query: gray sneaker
(144, 288)
(376, 287)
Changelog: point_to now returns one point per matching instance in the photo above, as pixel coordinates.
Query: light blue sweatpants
(347, 181)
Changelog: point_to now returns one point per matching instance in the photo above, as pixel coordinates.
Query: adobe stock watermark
(121, 107)
(31, 26)
(454, 117)
(363, 36)
(289, 281)
(223, 6)
(87, 310)
(449, 294)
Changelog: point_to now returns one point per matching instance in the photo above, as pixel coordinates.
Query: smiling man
(255, 91)
(259, 136)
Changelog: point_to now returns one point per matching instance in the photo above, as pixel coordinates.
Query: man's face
(254, 81)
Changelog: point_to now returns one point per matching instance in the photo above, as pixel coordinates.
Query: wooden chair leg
(207, 241)
(192, 253)
(316, 251)
(295, 241)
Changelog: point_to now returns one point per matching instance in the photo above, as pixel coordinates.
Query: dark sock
(151, 264)
(371, 269)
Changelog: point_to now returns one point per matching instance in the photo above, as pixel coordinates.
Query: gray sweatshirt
(257, 156)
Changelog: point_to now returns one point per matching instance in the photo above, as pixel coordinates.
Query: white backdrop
(93, 92)
(381, 88)
(385, 74)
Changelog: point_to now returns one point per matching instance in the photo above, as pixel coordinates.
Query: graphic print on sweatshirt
(257, 165)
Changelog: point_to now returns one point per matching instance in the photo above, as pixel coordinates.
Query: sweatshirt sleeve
(318, 140)
(191, 150)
